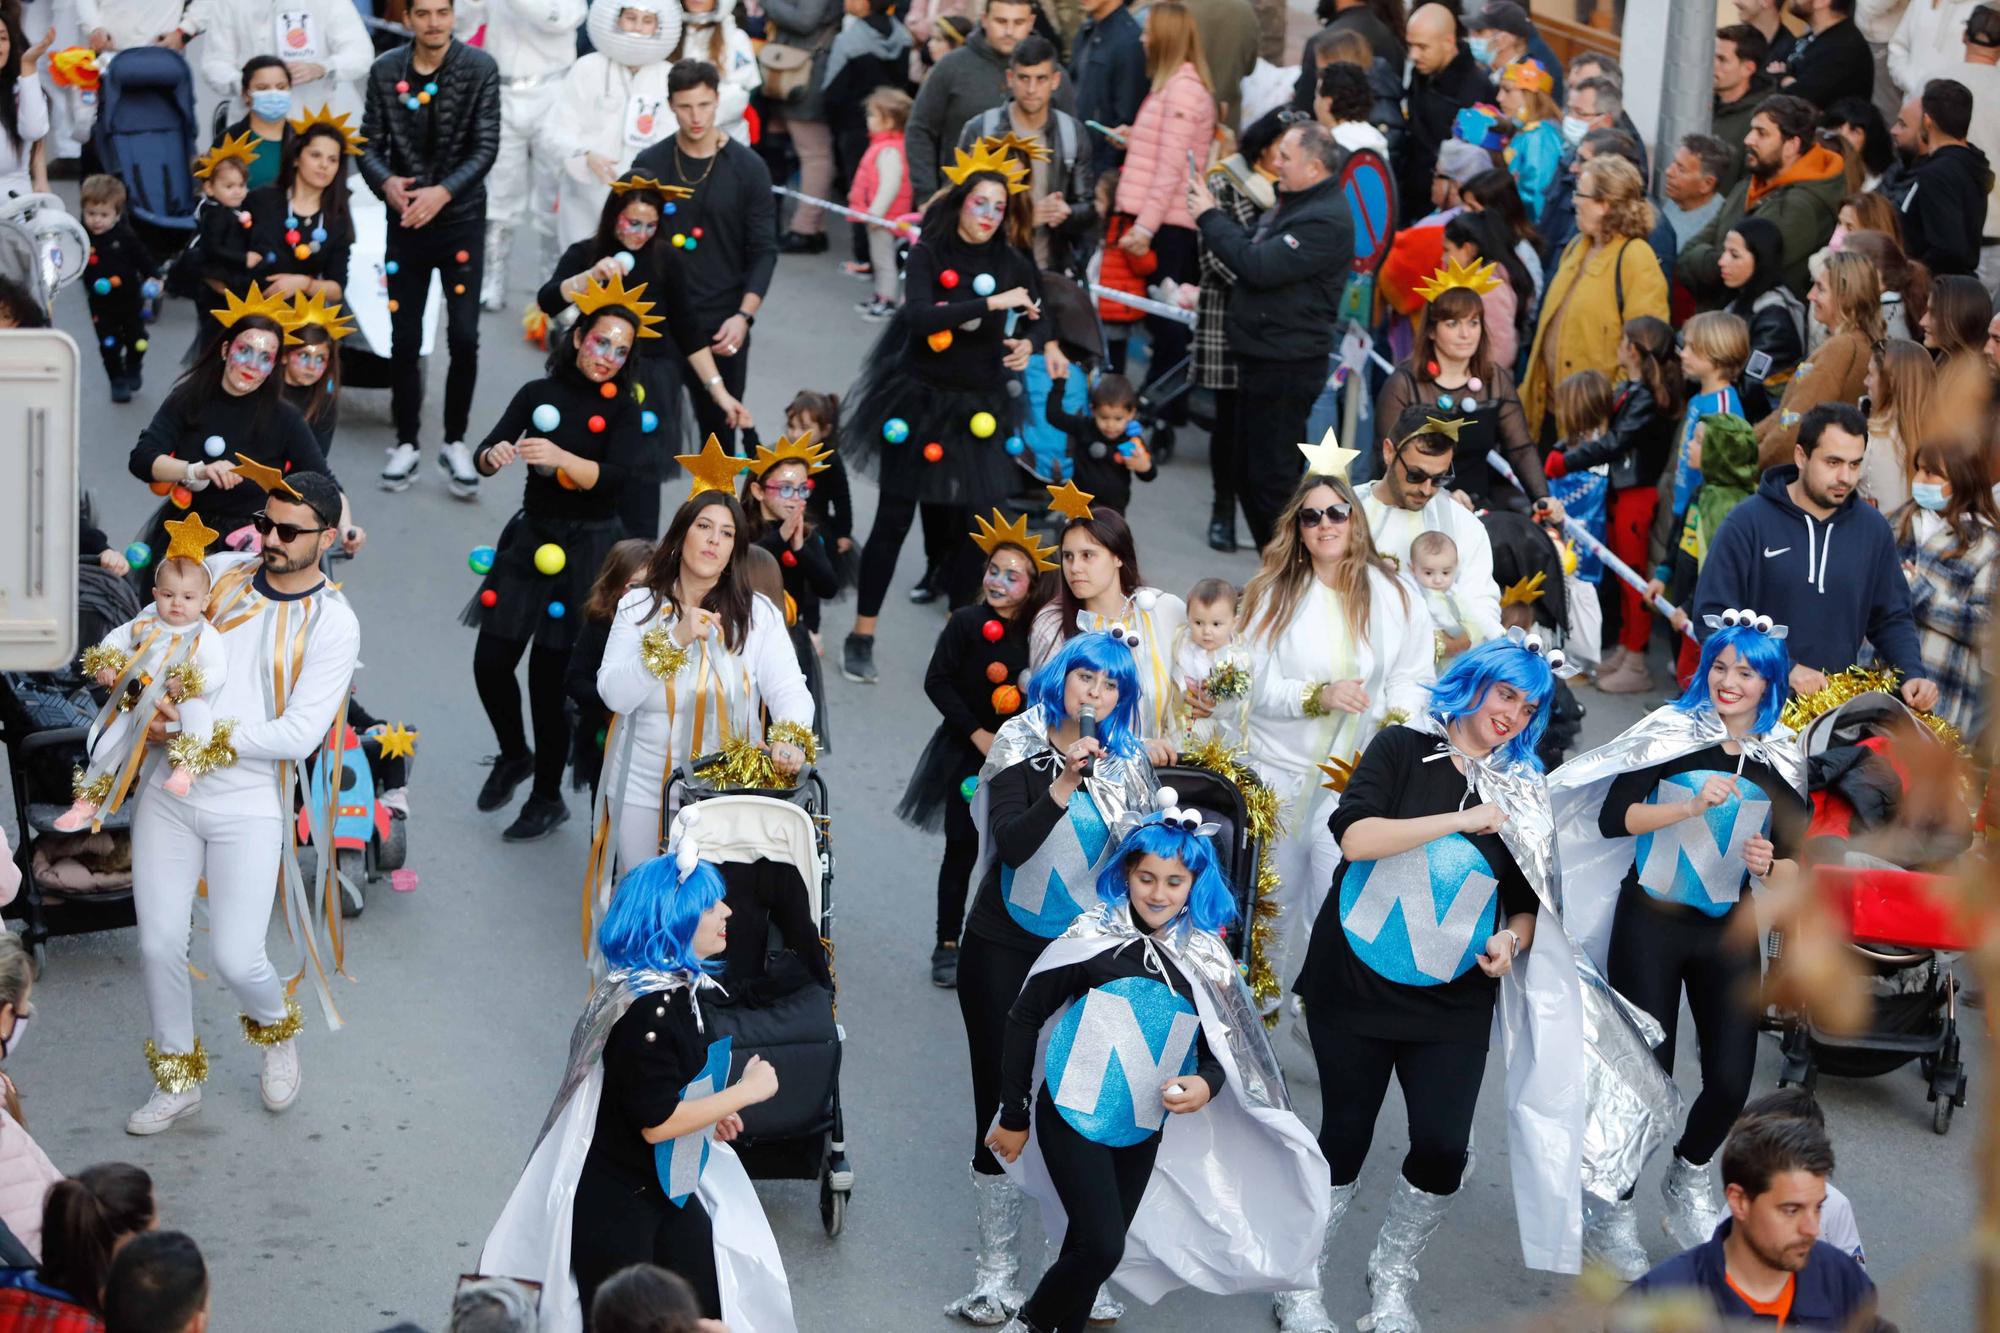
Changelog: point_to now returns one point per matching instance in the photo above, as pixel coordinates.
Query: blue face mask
(272, 103)
(1482, 49)
(1929, 495)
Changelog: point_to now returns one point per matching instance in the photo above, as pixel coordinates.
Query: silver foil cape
(1121, 788)
(607, 1004)
(1631, 1106)
(1205, 961)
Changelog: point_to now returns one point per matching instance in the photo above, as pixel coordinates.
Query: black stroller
(1218, 797)
(777, 863)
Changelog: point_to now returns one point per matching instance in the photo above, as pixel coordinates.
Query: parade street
(362, 1205)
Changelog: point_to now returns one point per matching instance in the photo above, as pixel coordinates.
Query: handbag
(787, 70)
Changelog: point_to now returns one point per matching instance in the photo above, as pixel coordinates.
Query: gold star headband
(188, 539)
(274, 308)
(1327, 458)
(314, 310)
(1070, 502)
(1448, 427)
(238, 148)
(1523, 591)
(990, 536)
(1476, 278)
(270, 478)
(631, 183)
(350, 140)
(712, 469)
(800, 449)
(989, 154)
(597, 295)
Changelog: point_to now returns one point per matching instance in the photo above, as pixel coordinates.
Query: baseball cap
(1502, 16)
(1460, 161)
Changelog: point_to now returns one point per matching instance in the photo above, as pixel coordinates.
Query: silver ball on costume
(1013, 388)
(1146, 598)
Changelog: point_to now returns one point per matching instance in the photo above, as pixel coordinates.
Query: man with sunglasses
(291, 643)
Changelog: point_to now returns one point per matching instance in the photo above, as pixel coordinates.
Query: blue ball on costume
(110, 342)
(1132, 429)
(546, 417)
(391, 267)
(412, 103)
(968, 787)
(895, 430)
(150, 287)
(690, 243)
(102, 286)
(557, 610)
(431, 88)
(481, 559)
(319, 235)
(138, 555)
(213, 446)
(669, 208)
(983, 285)
(1016, 446)
(649, 421)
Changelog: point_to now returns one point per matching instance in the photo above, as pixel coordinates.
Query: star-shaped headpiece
(990, 535)
(265, 475)
(1338, 771)
(398, 741)
(274, 308)
(712, 469)
(188, 538)
(1032, 149)
(233, 148)
(598, 295)
(1476, 278)
(1448, 427)
(989, 154)
(1070, 502)
(627, 184)
(314, 310)
(1327, 458)
(1524, 591)
(350, 141)
(799, 449)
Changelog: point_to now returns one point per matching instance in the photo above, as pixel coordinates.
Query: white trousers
(522, 182)
(638, 835)
(173, 846)
(1304, 858)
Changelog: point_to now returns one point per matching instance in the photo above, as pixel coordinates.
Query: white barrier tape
(1597, 548)
(1147, 304)
(852, 214)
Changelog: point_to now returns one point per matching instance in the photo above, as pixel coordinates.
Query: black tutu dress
(935, 369)
(961, 684)
(810, 575)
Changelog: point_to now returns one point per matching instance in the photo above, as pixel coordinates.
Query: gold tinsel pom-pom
(1311, 702)
(1229, 680)
(1843, 686)
(99, 656)
(742, 763)
(188, 676)
(202, 757)
(82, 787)
(178, 1071)
(660, 655)
(1216, 756)
(270, 1034)
(794, 733)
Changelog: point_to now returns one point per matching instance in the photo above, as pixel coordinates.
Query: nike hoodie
(1833, 581)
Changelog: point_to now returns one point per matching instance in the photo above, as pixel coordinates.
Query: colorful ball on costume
(292, 236)
(627, 260)
(607, 390)
(669, 207)
(413, 102)
(319, 234)
(481, 559)
(431, 89)
(948, 279)
(213, 446)
(161, 487)
(1132, 429)
(394, 305)
(1006, 699)
(1013, 388)
(895, 430)
(457, 288)
(996, 672)
(550, 558)
(933, 452)
(563, 480)
(993, 631)
(649, 421)
(463, 256)
(391, 267)
(557, 610)
(596, 425)
(140, 345)
(939, 340)
(695, 232)
(983, 424)
(969, 787)
(402, 85)
(680, 240)
(304, 251)
(102, 286)
(138, 555)
(546, 417)
(1016, 445)
(181, 496)
(788, 560)
(110, 341)
(983, 284)
(488, 598)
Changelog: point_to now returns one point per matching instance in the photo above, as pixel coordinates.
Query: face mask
(10, 1045)
(1574, 130)
(272, 103)
(1930, 495)
(1838, 239)
(1482, 50)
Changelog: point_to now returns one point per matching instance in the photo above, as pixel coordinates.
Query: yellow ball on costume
(983, 424)
(550, 558)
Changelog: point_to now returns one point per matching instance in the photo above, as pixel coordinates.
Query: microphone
(1086, 726)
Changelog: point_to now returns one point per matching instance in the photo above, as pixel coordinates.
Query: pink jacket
(1503, 341)
(868, 175)
(1177, 120)
(25, 1176)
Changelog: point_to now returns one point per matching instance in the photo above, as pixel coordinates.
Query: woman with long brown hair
(1898, 401)
(1906, 283)
(1948, 538)
(1339, 646)
(85, 1218)
(1847, 298)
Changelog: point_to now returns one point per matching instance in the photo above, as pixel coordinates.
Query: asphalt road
(361, 1206)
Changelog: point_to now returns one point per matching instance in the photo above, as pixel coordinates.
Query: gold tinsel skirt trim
(96, 790)
(202, 757)
(660, 655)
(178, 1071)
(1217, 757)
(270, 1034)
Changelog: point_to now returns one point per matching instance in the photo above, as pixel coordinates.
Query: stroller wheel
(1941, 1111)
(832, 1205)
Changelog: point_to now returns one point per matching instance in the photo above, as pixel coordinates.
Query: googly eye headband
(1559, 664)
(1185, 818)
(1763, 624)
(1119, 631)
(687, 841)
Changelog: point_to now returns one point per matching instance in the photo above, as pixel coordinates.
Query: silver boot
(493, 283)
(1693, 1210)
(1611, 1237)
(1106, 1309)
(1304, 1311)
(996, 1292)
(1413, 1219)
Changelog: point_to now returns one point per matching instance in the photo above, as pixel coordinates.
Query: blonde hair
(1626, 212)
(1855, 285)
(1583, 403)
(1721, 339)
(1905, 377)
(892, 104)
(1540, 106)
(1272, 597)
(1172, 40)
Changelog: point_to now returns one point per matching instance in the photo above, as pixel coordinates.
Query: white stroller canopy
(741, 829)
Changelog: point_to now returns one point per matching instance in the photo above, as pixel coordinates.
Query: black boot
(793, 243)
(538, 818)
(944, 965)
(508, 773)
(1221, 535)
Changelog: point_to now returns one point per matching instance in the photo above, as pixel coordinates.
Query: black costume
(301, 397)
(936, 367)
(831, 507)
(218, 254)
(809, 574)
(621, 1214)
(1372, 1006)
(276, 233)
(1093, 456)
(961, 685)
(115, 280)
(1669, 929)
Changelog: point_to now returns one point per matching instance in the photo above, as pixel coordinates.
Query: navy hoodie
(1835, 581)
(1831, 1291)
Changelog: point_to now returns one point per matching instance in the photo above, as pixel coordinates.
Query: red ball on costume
(1431, 369)
(948, 279)
(788, 560)
(1006, 699)
(996, 672)
(489, 597)
(464, 256)
(596, 425)
(993, 631)
(933, 452)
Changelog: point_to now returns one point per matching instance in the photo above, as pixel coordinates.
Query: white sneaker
(162, 1109)
(279, 1082)
(461, 478)
(401, 468)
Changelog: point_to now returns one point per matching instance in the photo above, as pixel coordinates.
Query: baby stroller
(1898, 927)
(777, 864)
(145, 136)
(1220, 799)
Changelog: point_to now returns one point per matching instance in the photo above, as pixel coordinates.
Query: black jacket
(1093, 459)
(1289, 273)
(1108, 70)
(1072, 175)
(1434, 102)
(1827, 66)
(1777, 324)
(1943, 205)
(1635, 444)
(449, 141)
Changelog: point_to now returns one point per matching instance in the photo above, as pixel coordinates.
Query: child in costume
(1105, 451)
(120, 277)
(1535, 150)
(777, 490)
(1434, 561)
(1213, 670)
(1148, 962)
(218, 259)
(169, 653)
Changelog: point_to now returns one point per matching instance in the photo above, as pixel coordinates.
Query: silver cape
(1121, 788)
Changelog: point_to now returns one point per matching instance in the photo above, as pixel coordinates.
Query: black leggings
(989, 981)
(615, 1224)
(1100, 1189)
(944, 533)
(1222, 460)
(1656, 949)
(493, 664)
(1440, 1082)
(961, 855)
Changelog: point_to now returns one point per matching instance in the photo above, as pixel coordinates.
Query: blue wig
(1766, 655)
(1099, 652)
(1209, 902)
(653, 916)
(1462, 688)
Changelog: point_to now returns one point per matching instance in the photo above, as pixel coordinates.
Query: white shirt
(1929, 43)
(1355, 135)
(331, 30)
(1837, 1226)
(1394, 528)
(132, 22)
(717, 695)
(31, 118)
(526, 38)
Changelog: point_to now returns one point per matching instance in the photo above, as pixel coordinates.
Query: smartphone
(1194, 167)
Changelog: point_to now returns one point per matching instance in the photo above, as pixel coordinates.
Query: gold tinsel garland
(1312, 703)
(96, 791)
(1261, 802)
(188, 676)
(178, 1071)
(1843, 686)
(794, 733)
(743, 763)
(102, 656)
(270, 1034)
(133, 689)
(1229, 680)
(660, 655)
(202, 757)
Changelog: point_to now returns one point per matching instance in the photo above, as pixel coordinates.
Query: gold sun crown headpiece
(1032, 149)
(598, 295)
(800, 448)
(1478, 279)
(628, 184)
(990, 535)
(274, 308)
(188, 539)
(234, 148)
(989, 154)
(314, 310)
(1528, 73)
(351, 140)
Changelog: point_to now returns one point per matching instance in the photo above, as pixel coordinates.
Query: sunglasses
(251, 358)
(1416, 476)
(285, 532)
(1335, 513)
(603, 348)
(790, 490)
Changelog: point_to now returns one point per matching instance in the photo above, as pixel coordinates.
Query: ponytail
(1659, 364)
(84, 1218)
